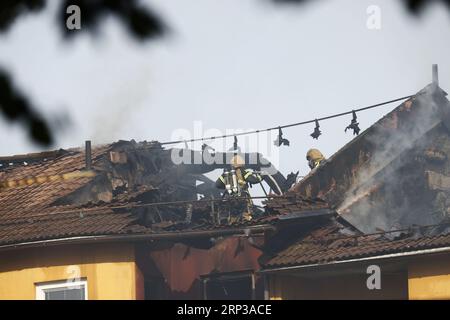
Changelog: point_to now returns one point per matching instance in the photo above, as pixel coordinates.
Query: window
(155, 288)
(235, 286)
(62, 290)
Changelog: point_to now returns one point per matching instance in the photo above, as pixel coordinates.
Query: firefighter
(314, 158)
(236, 183)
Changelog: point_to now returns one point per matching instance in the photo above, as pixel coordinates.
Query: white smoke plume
(380, 176)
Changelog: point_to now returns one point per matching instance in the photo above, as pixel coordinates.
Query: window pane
(65, 293)
(239, 288)
(55, 295)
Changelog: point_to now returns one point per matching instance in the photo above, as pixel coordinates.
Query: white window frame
(69, 283)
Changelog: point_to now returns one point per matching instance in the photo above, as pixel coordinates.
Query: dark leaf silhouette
(416, 6)
(16, 107)
(413, 6)
(139, 21)
(10, 10)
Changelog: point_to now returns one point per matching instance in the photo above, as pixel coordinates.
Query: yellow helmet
(314, 158)
(237, 162)
(314, 154)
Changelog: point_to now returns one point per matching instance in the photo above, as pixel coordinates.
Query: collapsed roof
(58, 194)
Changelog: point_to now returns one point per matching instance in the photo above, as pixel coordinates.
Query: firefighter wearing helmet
(314, 158)
(237, 181)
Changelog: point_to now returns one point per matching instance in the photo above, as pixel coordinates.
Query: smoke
(381, 193)
(120, 105)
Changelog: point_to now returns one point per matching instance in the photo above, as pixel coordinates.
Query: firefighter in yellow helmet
(314, 158)
(237, 181)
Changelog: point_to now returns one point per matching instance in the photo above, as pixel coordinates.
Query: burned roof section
(123, 188)
(374, 181)
(294, 203)
(123, 171)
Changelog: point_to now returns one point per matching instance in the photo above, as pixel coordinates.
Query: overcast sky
(234, 64)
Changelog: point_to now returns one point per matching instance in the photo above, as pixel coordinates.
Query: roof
(293, 202)
(343, 165)
(123, 220)
(33, 209)
(335, 243)
(49, 196)
(26, 194)
(29, 209)
(64, 226)
(373, 180)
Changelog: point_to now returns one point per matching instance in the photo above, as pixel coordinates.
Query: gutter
(380, 257)
(141, 237)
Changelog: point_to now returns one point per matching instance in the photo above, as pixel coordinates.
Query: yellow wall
(341, 286)
(110, 270)
(429, 279)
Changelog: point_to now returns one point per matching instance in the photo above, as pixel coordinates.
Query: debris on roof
(292, 202)
(55, 195)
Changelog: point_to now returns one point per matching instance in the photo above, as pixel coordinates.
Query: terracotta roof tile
(65, 225)
(17, 201)
(292, 202)
(335, 246)
(30, 212)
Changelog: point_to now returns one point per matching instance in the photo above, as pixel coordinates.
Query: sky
(226, 65)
